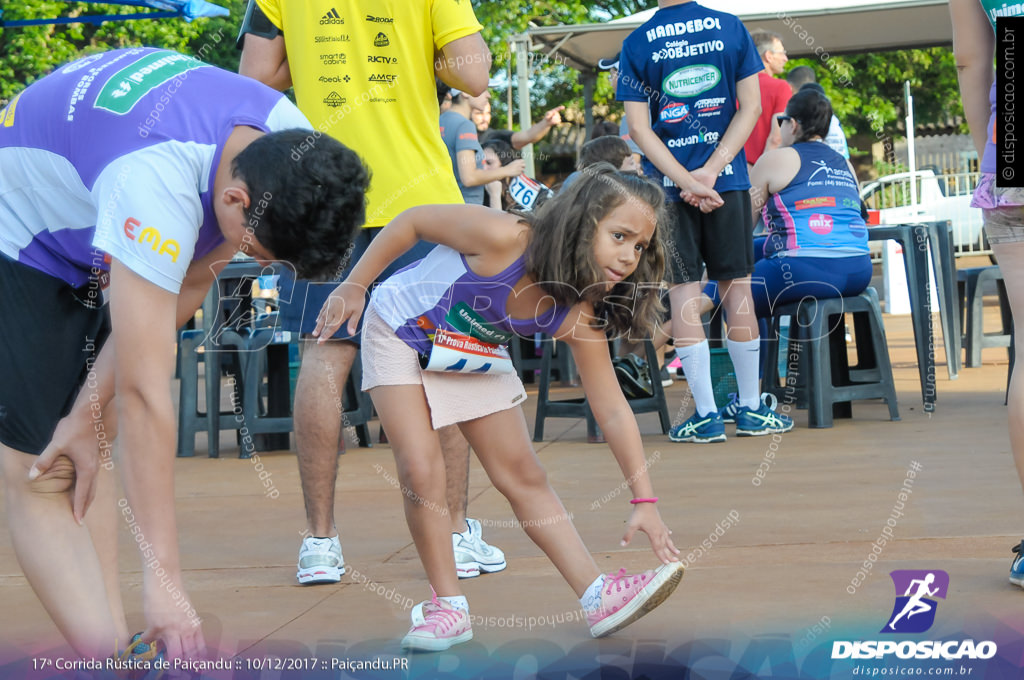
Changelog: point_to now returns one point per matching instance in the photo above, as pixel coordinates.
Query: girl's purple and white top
(441, 291)
(114, 155)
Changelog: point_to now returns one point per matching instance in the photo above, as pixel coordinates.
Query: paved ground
(765, 597)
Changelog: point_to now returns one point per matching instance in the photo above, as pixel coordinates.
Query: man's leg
(753, 417)
(318, 408)
(472, 553)
(686, 257)
(692, 345)
(455, 449)
(743, 339)
(103, 521)
(60, 558)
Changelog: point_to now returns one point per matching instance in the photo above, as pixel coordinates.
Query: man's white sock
(746, 361)
(696, 360)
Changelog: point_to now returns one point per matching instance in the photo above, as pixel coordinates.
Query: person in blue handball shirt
(688, 78)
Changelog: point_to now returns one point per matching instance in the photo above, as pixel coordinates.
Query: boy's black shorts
(50, 340)
(722, 239)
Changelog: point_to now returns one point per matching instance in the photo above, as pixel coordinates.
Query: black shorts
(722, 239)
(52, 334)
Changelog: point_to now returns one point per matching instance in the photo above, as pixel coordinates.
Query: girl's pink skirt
(452, 397)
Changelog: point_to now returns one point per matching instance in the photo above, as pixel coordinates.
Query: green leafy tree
(553, 83)
(29, 52)
(867, 90)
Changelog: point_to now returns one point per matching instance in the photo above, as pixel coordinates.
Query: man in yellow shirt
(363, 73)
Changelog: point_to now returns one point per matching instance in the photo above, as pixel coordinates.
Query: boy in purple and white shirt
(133, 175)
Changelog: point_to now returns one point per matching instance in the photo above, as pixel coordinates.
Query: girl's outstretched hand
(647, 519)
(345, 303)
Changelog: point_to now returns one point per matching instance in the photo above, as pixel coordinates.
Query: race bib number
(457, 353)
(526, 191)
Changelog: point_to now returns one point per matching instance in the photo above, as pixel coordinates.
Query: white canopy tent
(809, 28)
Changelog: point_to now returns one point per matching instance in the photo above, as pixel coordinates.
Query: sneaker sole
(695, 439)
(758, 433)
(664, 583)
(1017, 580)
(318, 575)
(474, 569)
(467, 571)
(631, 387)
(418, 644)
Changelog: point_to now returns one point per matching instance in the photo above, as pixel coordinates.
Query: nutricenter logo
(691, 80)
(914, 612)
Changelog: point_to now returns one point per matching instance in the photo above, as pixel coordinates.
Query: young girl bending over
(432, 356)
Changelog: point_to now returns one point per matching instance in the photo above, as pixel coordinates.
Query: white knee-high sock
(696, 360)
(746, 361)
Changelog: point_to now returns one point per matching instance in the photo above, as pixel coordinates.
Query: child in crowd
(432, 356)
(607, 149)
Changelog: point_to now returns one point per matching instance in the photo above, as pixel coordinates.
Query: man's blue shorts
(302, 300)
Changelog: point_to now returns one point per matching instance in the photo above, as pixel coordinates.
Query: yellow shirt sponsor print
(363, 73)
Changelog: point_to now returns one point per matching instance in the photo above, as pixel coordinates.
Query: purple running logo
(914, 610)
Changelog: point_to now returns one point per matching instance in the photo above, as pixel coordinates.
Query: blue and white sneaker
(1017, 568)
(751, 423)
(729, 411)
(700, 429)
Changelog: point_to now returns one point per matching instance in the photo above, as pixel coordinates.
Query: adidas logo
(381, 40)
(332, 17)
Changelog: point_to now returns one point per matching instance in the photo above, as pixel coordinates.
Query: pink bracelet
(644, 500)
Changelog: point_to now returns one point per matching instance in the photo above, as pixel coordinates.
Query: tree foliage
(866, 89)
(27, 53)
(553, 83)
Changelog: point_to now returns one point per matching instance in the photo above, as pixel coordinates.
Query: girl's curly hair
(560, 255)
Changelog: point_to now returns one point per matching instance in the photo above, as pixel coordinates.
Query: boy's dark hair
(813, 110)
(607, 149)
(506, 154)
(604, 128)
(560, 256)
(306, 198)
(800, 76)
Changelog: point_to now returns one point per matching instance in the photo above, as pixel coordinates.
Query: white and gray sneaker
(320, 561)
(473, 555)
